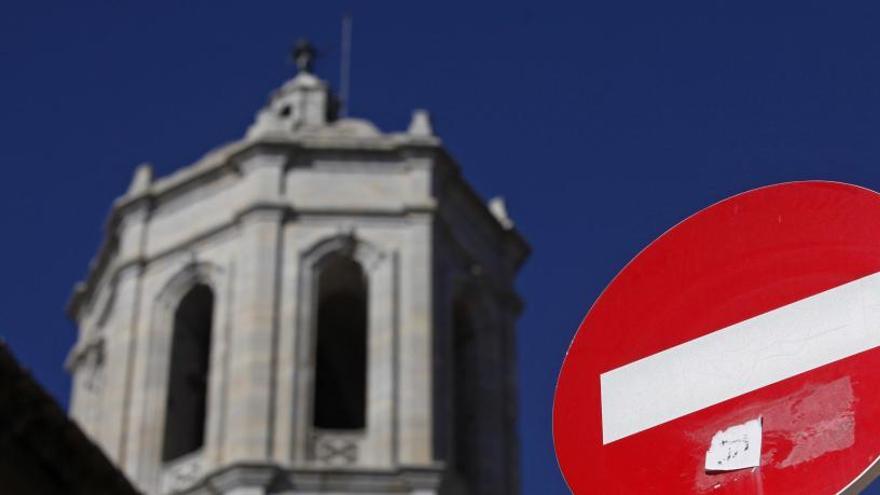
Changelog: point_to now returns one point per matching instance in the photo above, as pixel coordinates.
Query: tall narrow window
(341, 352)
(465, 399)
(188, 378)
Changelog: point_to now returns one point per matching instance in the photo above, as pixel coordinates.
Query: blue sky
(601, 123)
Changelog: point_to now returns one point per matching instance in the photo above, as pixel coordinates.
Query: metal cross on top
(304, 55)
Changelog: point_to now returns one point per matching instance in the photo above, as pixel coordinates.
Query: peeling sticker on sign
(818, 422)
(737, 447)
(800, 427)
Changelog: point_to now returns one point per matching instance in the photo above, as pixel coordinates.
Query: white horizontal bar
(741, 358)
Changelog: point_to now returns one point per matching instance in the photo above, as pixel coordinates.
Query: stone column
(491, 395)
(215, 434)
(415, 439)
(122, 333)
(378, 449)
(510, 312)
(146, 411)
(253, 341)
(286, 369)
(120, 340)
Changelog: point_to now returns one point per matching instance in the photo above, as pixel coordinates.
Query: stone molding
(82, 350)
(191, 274)
(228, 159)
(183, 473)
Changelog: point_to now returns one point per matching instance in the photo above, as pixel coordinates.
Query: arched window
(188, 377)
(341, 348)
(465, 399)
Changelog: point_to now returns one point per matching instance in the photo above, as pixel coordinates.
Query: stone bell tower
(320, 307)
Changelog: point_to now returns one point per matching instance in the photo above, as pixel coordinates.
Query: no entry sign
(754, 324)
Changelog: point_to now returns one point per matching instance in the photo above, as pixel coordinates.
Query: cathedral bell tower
(320, 307)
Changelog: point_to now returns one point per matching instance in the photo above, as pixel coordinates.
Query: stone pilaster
(416, 363)
(122, 336)
(120, 340)
(252, 353)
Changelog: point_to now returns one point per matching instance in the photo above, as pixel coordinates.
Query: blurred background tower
(319, 307)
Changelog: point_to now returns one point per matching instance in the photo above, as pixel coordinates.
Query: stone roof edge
(511, 233)
(214, 160)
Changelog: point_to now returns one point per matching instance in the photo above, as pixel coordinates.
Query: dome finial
(303, 55)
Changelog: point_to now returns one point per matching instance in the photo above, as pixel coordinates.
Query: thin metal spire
(345, 65)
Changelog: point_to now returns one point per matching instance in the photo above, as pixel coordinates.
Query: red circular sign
(765, 306)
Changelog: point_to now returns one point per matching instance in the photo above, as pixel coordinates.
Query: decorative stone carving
(143, 177)
(420, 125)
(336, 449)
(499, 210)
(182, 473)
(95, 368)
